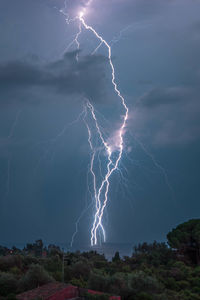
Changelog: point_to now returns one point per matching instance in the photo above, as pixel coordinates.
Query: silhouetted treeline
(154, 271)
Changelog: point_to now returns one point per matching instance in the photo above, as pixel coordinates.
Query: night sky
(44, 154)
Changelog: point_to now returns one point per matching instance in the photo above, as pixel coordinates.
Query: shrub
(144, 296)
(80, 270)
(99, 282)
(140, 282)
(79, 282)
(35, 277)
(8, 262)
(8, 284)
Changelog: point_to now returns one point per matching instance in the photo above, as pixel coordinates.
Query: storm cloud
(66, 76)
(44, 151)
(170, 114)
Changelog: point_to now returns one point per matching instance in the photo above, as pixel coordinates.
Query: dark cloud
(48, 179)
(66, 76)
(164, 96)
(168, 116)
(18, 74)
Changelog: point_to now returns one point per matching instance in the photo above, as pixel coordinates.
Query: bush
(53, 264)
(118, 284)
(80, 270)
(99, 282)
(35, 277)
(144, 296)
(140, 282)
(8, 284)
(8, 262)
(57, 275)
(79, 282)
(171, 283)
(15, 271)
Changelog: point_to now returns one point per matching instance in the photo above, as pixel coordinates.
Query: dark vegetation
(154, 271)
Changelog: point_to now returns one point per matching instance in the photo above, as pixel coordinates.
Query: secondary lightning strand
(12, 129)
(77, 223)
(91, 170)
(156, 164)
(93, 153)
(97, 198)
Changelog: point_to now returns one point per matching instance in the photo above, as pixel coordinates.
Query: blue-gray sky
(43, 169)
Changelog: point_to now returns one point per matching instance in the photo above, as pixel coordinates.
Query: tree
(35, 277)
(185, 238)
(116, 257)
(139, 281)
(99, 282)
(38, 247)
(155, 254)
(80, 270)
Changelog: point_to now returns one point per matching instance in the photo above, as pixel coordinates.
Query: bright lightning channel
(101, 192)
(111, 165)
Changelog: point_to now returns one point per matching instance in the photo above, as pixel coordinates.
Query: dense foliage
(186, 239)
(154, 272)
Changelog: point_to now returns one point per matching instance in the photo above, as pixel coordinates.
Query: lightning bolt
(89, 107)
(75, 41)
(12, 129)
(93, 151)
(112, 165)
(77, 223)
(113, 152)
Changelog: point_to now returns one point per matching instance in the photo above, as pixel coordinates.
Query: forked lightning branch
(113, 152)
